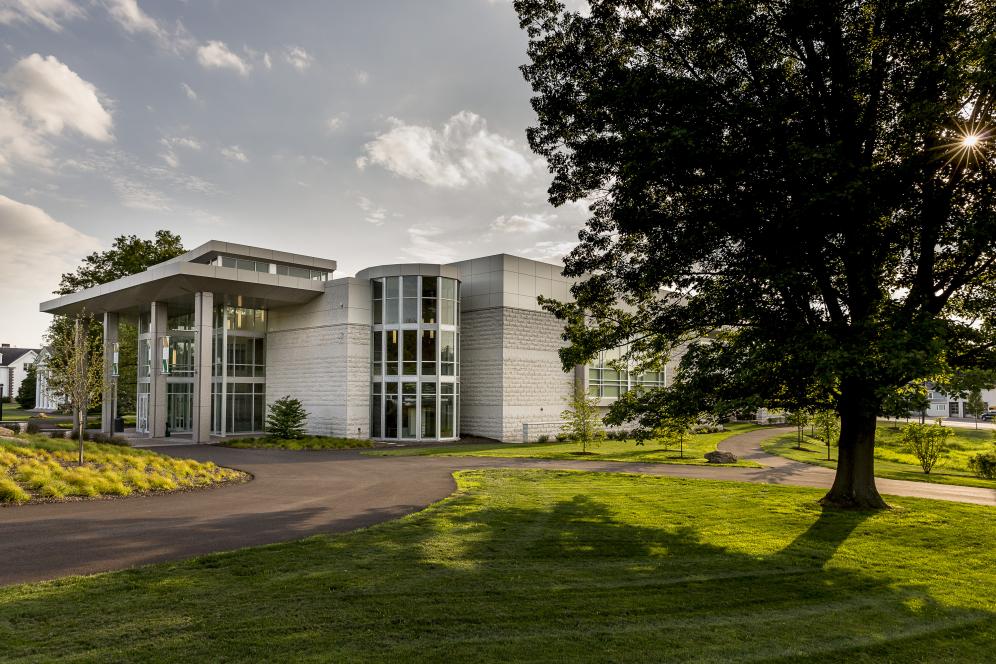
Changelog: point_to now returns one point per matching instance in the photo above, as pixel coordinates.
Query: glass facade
(415, 358)
(607, 380)
(238, 370)
(270, 268)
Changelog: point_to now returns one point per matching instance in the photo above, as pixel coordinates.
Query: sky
(366, 131)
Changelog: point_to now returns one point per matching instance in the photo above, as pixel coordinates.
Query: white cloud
(235, 153)
(362, 77)
(54, 97)
(44, 98)
(172, 143)
(191, 95)
(298, 58)
(464, 152)
(545, 251)
(130, 16)
(215, 55)
(267, 61)
(422, 245)
(29, 277)
(336, 122)
(523, 223)
(372, 214)
(49, 13)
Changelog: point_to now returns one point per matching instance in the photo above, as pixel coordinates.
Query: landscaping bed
(893, 461)
(35, 468)
(304, 443)
(556, 566)
(696, 446)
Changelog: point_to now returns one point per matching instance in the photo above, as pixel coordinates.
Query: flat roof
(213, 248)
(172, 280)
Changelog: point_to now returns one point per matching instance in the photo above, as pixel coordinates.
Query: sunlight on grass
(556, 566)
(33, 467)
(696, 446)
(892, 461)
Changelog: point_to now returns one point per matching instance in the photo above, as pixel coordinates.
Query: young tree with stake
(76, 369)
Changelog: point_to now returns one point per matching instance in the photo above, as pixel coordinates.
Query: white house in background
(14, 364)
(45, 398)
(944, 405)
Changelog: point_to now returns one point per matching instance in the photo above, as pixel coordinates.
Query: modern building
(14, 366)
(405, 351)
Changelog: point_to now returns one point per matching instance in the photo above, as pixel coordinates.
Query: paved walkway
(296, 494)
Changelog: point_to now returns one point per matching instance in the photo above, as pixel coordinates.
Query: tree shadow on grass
(525, 566)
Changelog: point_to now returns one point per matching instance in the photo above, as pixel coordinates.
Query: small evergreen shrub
(562, 438)
(57, 435)
(543, 439)
(31, 427)
(983, 464)
(286, 418)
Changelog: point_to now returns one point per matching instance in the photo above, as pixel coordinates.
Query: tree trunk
(854, 485)
(82, 427)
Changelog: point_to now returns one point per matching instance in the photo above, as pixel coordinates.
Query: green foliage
(704, 131)
(928, 443)
(983, 464)
(543, 439)
(26, 392)
(581, 419)
(286, 418)
(38, 468)
(975, 406)
(128, 255)
(302, 443)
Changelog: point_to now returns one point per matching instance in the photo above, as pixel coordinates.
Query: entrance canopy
(182, 277)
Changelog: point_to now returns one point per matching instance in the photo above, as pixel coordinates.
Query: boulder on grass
(4, 431)
(719, 456)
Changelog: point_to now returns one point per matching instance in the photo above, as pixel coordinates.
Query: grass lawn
(14, 413)
(892, 461)
(555, 566)
(38, 468)
(306, 443)
(696, 445)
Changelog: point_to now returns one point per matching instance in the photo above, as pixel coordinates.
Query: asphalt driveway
(296, 494)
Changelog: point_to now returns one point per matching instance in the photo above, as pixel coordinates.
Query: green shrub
(983, 464)
(928, 443)
(286, 418)
(31, 427)
(543, 439)
(10, 492)
(57, 435)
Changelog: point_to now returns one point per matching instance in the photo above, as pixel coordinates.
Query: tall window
(415, 357)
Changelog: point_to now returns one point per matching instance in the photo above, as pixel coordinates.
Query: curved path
(296, 494)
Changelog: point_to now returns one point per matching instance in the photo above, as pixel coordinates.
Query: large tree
(806, 184)
(129, 254)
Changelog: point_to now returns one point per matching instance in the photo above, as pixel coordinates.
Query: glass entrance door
(180, 407)
(142, 413)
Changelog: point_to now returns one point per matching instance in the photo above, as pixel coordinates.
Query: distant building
(945, 405)
(14, 365)
(45, 398)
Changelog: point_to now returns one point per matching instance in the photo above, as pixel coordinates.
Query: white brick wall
(534, 386)
(328, 369)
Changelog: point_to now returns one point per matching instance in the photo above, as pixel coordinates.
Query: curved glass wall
(415, 358)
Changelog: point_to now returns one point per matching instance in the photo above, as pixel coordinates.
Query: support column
(158, 328)
(203, 336)
(108, 409)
